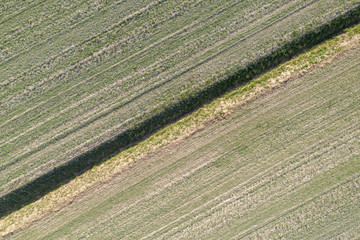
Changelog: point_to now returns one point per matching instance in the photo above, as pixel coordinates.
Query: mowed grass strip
(67, 90)
(292, 154)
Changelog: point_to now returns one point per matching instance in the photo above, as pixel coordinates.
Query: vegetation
(285, 165)
(76, 87)
(176, 132)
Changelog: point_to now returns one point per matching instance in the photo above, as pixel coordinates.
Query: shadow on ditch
(63, 174)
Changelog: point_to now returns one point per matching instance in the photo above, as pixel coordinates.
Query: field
(72, 79)
(284, 165)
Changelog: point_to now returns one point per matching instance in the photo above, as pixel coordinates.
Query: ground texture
(285, 165)
(74, 74)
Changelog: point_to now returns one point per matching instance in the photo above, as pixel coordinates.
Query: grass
(72, 80)
(218, 109)
(283, 165)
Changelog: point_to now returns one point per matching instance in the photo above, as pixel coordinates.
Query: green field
(74, 74)
(284, 165)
